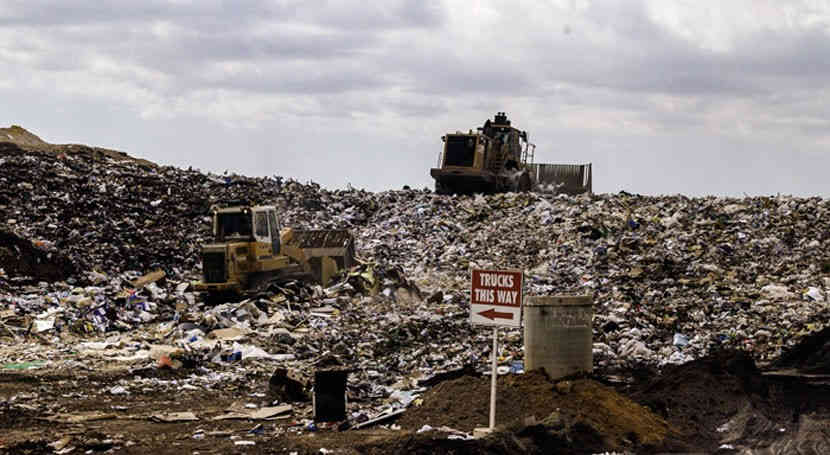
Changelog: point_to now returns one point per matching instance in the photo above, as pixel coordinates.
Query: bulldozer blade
(321, 253)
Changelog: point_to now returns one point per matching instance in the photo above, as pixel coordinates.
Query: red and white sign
(496, 297)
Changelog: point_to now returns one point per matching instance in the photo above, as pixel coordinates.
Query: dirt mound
(724, 399)
(20, 136)
(698, 396)
(16, 138)
(28, 448)
(430, 443)
(811, 355)
(16, 417)
(580, 413)
(20, 258)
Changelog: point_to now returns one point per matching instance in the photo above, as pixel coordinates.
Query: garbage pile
(672, 277)
(114, 215)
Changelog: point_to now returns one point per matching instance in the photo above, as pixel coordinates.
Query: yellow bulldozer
(490, 160)
(497, 157)
(250, 249)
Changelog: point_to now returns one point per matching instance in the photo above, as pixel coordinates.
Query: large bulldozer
(498, 157)
(250, 250)
(490, 160)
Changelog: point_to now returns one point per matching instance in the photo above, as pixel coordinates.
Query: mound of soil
(724, 399)
(17, 139)
(699, 396)
(20, 258)
(580, 413)
(811, 355)
(15, 417)
(28, 448)
(430, 444)
(21, 137)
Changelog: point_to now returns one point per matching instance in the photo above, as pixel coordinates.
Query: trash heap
(672, 277)
(111, 216)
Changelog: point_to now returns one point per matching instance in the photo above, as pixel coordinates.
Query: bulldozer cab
(259, 224)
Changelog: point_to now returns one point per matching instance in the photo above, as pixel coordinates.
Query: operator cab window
(235, 224)
(275, 231)
(272, 219)
(261, 225)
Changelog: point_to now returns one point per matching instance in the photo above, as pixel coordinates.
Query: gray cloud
(219, 15)
(643, 57)
(298, 47)
(296, 79)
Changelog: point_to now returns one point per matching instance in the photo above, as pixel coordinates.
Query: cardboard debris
(80, 417)
(256, 414)
(384, 416)
(229, 334)
(151, 277)
(174, 417)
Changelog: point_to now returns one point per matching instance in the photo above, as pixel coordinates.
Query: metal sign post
(493, 375)
(495, 300)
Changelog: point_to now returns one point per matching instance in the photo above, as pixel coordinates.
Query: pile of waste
(102, 247)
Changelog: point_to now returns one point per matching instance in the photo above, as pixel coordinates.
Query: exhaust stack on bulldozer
(250, 249)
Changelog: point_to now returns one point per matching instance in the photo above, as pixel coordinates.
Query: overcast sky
(663, 97)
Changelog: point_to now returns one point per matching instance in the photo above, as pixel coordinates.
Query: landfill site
(705, 329)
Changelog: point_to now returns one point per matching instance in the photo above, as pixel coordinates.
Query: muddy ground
(720, 404)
